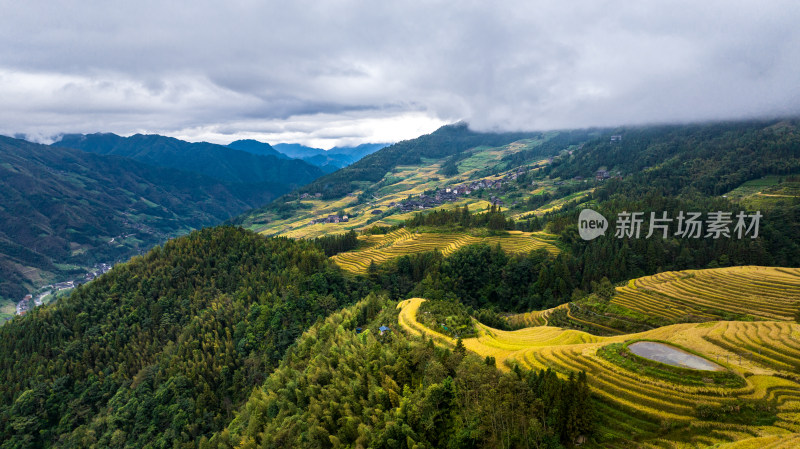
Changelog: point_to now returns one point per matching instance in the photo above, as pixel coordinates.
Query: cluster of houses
(25, 305)
(424, 201)
(91, 275)
(306, 196)
(331, 219)
(602, 175)
(451, 194)
(29, 302)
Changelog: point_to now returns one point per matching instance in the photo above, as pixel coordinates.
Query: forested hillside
(225, 338)
(707, 159)
(162, 350)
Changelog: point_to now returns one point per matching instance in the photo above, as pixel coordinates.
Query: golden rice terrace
(651, 405)
(382, 248)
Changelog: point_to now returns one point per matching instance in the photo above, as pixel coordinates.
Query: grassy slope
(715, 294)
(769, 192)
(748, 293)
(764, 353)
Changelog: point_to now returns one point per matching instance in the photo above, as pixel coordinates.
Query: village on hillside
(29, 301)
(452, 193)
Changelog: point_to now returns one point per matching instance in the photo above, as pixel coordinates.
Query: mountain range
(217, 161)
(91, 198)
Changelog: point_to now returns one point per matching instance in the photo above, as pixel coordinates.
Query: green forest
(163, 349)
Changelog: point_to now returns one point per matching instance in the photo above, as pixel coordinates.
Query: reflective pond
(672, 356)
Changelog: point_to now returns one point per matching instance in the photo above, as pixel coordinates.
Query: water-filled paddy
(672, 356)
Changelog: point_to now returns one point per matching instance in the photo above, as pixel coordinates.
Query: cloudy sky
(347, 72)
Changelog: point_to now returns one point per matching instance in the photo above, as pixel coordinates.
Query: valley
(48, 293)
(65, 210)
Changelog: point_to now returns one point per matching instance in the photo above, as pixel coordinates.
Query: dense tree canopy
(162, 349)
(338, 388)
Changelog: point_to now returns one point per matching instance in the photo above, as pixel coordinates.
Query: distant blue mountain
(331, 160)
(256, 147)
(297, 151)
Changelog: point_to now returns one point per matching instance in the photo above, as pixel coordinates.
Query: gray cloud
(342, 72)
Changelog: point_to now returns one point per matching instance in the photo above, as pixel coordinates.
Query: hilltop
(119, 349)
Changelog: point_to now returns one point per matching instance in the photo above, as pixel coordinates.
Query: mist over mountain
(400, 225)
(297, 150)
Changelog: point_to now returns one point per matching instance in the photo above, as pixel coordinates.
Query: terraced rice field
(789, 441)
(765, 293)
(403, 242)
(535, 318)
(638, 406)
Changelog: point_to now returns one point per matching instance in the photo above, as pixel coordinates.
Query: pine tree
(460, 348)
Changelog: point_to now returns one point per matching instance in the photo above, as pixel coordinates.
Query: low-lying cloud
(345, 72)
